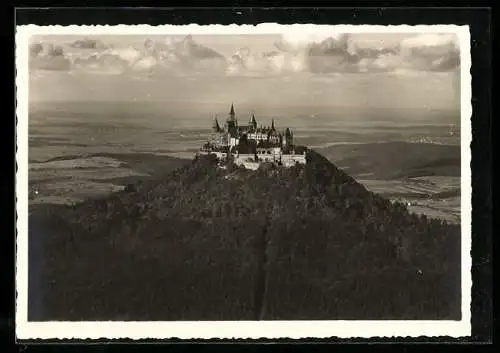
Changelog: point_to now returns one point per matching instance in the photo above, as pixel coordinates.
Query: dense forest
(206, 243)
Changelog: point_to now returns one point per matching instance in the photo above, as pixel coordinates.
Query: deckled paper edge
(233, 329)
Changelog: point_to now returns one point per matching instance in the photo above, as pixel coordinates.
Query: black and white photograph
(280, 181)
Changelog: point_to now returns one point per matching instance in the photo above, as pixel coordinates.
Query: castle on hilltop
(249, 144)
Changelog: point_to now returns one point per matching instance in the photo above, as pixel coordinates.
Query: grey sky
(421, 72)
(227, 44)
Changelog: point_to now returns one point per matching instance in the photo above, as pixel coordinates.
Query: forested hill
(205, 243)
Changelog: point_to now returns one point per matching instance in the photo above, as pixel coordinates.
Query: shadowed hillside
(204, 243)
(396, 160)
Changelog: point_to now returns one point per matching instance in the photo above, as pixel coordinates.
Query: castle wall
(289, 160)
(274, 138)
(220, 155)
(245, 156)
(247, 161)
(250, 165)
(233, 141)
(257, 136)
(272, 154)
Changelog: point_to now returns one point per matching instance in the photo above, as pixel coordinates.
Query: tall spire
(231, 112)
(252, 122)
(216, 126)
(272, 125)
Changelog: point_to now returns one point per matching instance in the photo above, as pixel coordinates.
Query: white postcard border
(232, 329)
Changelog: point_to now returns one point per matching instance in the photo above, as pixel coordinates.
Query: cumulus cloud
(188, 48)
(87, 43)
(128, 54)
(318, 53)
(305, 52)
(152, 55)
(431, 52)
(339, 53)
(189, 55)
(46, 56)
(243, 61)
(176, 56)
(101, 62)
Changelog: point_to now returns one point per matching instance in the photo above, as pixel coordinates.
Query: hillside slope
(204, 243)
(379, 160)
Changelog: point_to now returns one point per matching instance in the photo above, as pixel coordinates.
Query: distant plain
(80, 150)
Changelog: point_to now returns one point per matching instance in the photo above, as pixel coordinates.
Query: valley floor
(72, 179)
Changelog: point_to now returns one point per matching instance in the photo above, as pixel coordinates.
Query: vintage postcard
(270, 181)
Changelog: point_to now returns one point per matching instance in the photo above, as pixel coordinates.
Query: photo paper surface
(269, 181)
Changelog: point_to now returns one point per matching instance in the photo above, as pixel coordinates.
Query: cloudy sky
(408, 70)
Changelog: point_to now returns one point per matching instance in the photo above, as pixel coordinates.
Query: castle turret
(216, 126)
(288, 139)
(252, 123)
(232, 115)
(231, 123)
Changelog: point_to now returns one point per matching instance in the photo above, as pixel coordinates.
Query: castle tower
(232, 115)
(231, 123)
(252, 122)
(216, 126)
(288, 140)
